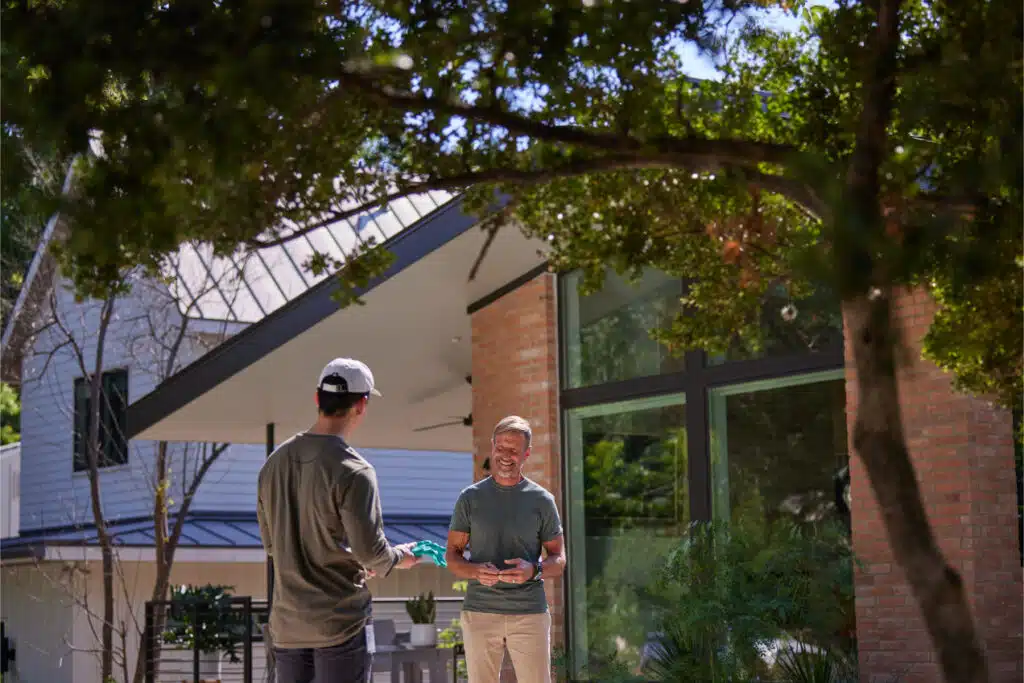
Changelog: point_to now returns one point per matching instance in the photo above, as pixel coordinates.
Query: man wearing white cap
(321, 522)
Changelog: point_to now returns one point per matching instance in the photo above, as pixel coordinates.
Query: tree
(164, 336)
(29, 182)
(879, 147)
(10, 414)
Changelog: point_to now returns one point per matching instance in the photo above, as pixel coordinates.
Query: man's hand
(521, 573)
(487, 574)
(409, 560)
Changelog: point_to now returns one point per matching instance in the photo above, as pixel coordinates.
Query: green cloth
(432, 550)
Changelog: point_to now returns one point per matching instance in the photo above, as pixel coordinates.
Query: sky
(699, 66)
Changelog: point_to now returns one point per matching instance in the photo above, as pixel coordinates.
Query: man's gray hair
(515, 424)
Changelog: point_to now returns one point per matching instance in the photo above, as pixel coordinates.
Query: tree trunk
(167, 542)
(163, 553)
(94, 446)
(879, 441)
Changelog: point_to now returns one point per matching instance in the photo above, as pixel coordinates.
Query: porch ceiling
(413, 332)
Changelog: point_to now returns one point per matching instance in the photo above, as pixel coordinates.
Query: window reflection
(629, 505)
(809, 324)
(781, 451)
(780, 454)
(608, 334)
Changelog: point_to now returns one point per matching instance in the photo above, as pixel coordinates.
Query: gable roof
(251, 284)
(242, 288)
(247, 348)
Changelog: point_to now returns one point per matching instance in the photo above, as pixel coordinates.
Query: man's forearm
(553, 566)
(459, 565)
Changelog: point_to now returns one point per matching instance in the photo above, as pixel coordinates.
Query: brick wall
(515, 372)
(962, 450)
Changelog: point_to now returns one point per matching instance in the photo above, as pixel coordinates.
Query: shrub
(203, 618)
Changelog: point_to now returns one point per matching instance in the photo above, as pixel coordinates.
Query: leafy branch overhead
(245, 125)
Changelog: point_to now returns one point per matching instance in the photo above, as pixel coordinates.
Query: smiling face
(508, 455)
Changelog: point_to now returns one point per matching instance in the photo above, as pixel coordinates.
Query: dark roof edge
(20, 328)
(38, 538)
(301, 313)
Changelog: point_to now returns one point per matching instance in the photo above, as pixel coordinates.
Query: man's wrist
(538, 570)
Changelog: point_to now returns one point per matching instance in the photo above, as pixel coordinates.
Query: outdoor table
(406, 662)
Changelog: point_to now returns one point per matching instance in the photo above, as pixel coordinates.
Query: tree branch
(796, 191)
(690, 150)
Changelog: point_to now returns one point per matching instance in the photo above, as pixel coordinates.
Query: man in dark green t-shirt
(321, 522)
(504, 522)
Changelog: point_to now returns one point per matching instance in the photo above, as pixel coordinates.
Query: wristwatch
(537, 571)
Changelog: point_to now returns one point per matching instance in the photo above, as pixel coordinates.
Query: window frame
(113, 420)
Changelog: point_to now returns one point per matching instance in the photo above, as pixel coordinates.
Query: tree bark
(878, 436)
(880, 442)
(94, 446)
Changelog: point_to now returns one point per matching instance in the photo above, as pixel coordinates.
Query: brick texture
(515, 372)
(962, 449)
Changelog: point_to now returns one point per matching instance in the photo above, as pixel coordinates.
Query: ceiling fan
(466, 421)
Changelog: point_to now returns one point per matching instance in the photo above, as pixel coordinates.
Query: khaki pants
(527, 637)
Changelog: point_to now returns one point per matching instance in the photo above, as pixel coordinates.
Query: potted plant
(202, 618)
(422, 610)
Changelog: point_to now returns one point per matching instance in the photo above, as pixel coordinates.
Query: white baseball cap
(347, 376)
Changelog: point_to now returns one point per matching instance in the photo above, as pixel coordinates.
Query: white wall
(10, 490)
(37, 607)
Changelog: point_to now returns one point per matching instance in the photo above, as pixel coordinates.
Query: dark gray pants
(350, 662)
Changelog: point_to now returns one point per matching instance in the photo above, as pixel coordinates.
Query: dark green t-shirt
(506, 522)
(321, 522)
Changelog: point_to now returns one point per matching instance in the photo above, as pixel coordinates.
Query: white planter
(209, 666)
(423, 635)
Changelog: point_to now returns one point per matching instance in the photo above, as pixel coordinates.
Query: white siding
(52, 494)
(38, 610)
(10, 490)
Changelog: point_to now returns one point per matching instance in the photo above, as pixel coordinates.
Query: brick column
(515, 372)
(962, 450)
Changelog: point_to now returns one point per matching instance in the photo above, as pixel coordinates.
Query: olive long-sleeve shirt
(321, 522)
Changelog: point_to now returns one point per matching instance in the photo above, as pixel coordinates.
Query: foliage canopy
(244, 124)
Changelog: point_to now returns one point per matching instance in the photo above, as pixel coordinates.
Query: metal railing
(196, 642)
(222, 641)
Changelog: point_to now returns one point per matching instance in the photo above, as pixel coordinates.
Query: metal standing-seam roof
(205, 530)
(251, 284)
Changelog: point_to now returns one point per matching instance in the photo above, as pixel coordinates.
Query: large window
(629, 500)
(779, 450)
(654, 441)
(113, 400)
(608, 334)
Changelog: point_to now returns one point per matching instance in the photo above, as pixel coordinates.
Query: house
(713, 437)
(50, 566)
(749, 433)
